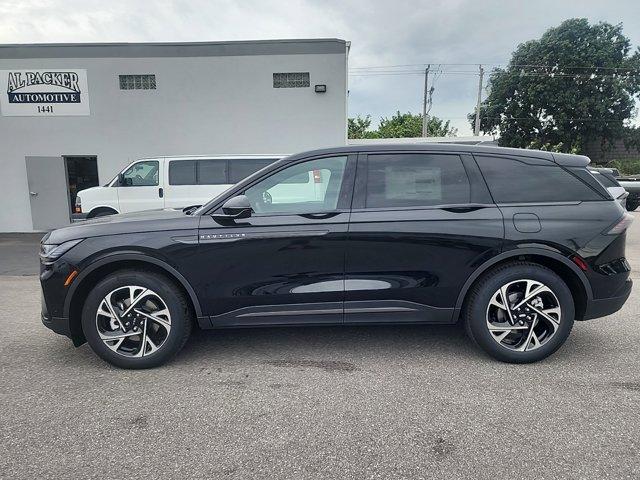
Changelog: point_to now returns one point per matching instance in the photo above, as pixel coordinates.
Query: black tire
(475, 312)
(173, 297)
(632, 205)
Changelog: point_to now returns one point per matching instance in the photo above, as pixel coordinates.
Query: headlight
(50, 253)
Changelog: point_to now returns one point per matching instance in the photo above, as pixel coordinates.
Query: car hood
(91, 190)
(148, 221)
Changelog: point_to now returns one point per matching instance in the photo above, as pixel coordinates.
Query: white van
(168, 182)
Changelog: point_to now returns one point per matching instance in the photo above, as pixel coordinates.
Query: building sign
(43, 93)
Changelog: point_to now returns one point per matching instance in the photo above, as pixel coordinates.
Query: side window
(285, 192)
(241, 168)
(212, 172)
(413, 180)
(141, 174)
(514, 181)
(182, 172)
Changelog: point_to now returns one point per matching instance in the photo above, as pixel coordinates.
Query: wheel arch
(100, 268)
(558, 263)
(100, 208)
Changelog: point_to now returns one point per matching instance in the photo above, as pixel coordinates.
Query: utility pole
(425, 120)
(477, 125)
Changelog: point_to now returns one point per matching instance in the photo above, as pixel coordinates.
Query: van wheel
(135, 319)
(520, 312)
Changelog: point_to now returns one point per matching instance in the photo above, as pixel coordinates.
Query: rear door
(421, 224)
(141, 188)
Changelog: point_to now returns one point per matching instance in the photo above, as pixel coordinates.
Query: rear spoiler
(571, 160)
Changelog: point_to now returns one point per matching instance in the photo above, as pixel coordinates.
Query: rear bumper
(78, 217)
(602, 307)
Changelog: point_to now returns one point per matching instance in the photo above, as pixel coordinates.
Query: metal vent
(291, 80)
(137, 82)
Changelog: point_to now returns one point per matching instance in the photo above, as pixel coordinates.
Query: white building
(74, 115)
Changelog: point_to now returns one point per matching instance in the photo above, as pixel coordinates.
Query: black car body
(398, 244)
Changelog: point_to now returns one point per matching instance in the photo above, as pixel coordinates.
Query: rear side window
(514, 181)
(605, 180)
(241, 168)
(414, 180)
(182, 172)
(211, 172)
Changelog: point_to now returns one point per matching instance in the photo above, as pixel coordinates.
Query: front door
(140, 188)
(48, 192)
(421, 224)
(284, 264)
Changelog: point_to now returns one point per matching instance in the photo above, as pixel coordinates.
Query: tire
(632, 205)
(161, 316)
(484, 316)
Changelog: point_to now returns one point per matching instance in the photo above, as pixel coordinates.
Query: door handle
(320, 216)
(33, 194)
(467, 207)
(160, 192)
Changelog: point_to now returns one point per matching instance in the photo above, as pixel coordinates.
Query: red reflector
(580, 262)
(317, 176)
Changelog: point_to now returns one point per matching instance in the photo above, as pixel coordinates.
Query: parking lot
(343, 402)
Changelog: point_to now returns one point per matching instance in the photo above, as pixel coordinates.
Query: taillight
(624, 223)
(78, 206)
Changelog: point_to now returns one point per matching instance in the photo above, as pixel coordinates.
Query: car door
(421, 224)
(285, 263)
(139, 187)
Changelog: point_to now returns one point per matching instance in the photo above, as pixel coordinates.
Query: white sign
(43, 93)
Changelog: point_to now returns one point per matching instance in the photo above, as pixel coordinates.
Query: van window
(414, 180)
(142, 174)
(278, 194)
(513, 181)
(241, 168)
(212, 172)
(182, 172)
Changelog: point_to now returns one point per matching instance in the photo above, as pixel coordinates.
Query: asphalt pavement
(343, 402)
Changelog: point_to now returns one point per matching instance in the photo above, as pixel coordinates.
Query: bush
(629, 166)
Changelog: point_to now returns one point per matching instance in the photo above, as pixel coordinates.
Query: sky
(382, 34)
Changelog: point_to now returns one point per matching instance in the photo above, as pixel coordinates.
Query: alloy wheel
(133, 321)
(523, 315)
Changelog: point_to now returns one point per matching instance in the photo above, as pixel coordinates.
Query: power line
(518, 65)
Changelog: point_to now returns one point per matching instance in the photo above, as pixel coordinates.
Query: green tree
(359, 127)
(576, 83)
(400, 125)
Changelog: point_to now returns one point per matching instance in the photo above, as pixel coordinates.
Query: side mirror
(236, 208)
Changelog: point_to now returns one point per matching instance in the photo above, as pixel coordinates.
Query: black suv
(515, 244)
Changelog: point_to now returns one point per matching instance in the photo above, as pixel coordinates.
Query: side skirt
(332, 313)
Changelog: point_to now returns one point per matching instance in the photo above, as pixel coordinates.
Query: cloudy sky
(383, 34)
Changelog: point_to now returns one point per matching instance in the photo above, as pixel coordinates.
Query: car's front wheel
(136, 319)
(520, 312)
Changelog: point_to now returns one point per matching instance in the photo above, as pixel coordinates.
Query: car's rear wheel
(136, 319)
(632, 205)
(520, 312)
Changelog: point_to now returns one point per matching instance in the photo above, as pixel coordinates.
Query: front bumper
(602, 307)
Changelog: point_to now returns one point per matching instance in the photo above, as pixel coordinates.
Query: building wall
(617, 151)
(202, 105)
